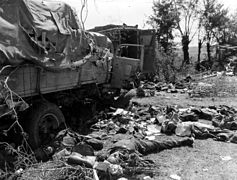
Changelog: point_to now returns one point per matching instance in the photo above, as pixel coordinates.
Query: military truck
(47, 61)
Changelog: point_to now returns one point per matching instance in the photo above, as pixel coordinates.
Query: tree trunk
(185, 44)
(208, 52)
(208, 48)
(199, 54)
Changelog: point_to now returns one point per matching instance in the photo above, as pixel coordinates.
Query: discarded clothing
(225, 122)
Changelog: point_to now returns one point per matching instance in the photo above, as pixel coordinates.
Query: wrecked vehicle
(48, 61)
(133, 40)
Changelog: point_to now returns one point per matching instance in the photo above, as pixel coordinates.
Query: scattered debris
(120, 138)
(55, 170)
(226, 158)
(147, 178)
(175, 177)
(122, 135)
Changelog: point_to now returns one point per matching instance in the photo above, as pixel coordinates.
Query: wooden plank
(24, 80)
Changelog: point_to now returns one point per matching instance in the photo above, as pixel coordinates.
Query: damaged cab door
(125, 66)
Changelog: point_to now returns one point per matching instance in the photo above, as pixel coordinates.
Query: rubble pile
(53, 170)
(218, 123)
(115, 147)
(148, 88)
(119, 141)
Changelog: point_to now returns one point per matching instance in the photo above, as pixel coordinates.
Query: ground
(207, 159)
(203, 161)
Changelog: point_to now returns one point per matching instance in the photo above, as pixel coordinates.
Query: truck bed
(30, 80)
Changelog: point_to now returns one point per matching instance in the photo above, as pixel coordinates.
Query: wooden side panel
(22, 81)
(87, 73)
(94, 72)
(27, 80)
(51, 81)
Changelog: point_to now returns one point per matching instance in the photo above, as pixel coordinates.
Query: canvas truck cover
(46, 33)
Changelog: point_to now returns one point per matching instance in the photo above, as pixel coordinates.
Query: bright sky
(230, 4)
(103, 12)
(130, 12)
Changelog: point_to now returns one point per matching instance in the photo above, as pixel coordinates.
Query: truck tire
(44, 119)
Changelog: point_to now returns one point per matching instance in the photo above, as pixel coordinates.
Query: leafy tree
(187, 11)
(175, 14)
(214, 20)
(231, 29)
(201, 39)
(164, 20)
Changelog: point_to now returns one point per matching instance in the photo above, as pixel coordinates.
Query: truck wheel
(44, 119)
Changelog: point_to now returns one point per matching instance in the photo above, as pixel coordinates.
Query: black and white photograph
(118, 89)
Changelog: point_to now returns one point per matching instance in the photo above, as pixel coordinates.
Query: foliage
(231, 32)
(166, 68)
(214, 20)
(165, 20)
(188, 12)
(174, 15)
